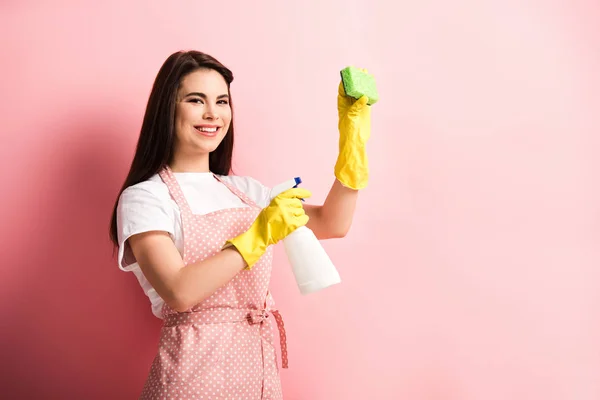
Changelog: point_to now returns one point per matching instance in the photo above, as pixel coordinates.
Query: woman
(199, 239)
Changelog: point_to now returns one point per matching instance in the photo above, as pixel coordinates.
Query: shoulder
(152, 190)
(251, 187)
(145, 202)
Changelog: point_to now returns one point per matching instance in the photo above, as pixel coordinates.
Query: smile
(209, 131)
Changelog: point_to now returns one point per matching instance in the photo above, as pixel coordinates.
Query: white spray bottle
(310, 263)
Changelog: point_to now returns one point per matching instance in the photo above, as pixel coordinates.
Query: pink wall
(471, 271)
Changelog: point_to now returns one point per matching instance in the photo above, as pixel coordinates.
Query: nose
(209, 113)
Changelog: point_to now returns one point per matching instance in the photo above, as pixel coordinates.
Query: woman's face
(202, 114)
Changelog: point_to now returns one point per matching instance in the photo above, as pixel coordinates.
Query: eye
(196, 101)
(223, 102)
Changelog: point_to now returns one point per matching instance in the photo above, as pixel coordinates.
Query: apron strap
(169, 179)
(270, 305)
(237, 192)
(282, 338)
(259, 316)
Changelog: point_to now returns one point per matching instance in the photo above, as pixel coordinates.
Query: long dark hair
(155, 145)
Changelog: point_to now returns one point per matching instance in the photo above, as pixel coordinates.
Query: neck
(193, 163)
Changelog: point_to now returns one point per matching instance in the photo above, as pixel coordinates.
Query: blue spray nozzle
(298, 181)
(289, 184)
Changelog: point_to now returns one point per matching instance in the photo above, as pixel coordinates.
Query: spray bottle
(310, 263)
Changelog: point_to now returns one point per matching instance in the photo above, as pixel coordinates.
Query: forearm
(334, 218)
(198, 281)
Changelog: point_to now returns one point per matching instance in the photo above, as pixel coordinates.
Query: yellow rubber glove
(280, 218)
(352, 165)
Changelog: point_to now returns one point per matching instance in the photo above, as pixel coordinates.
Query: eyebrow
(202, 95)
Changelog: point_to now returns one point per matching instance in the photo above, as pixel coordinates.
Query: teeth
(202, 129)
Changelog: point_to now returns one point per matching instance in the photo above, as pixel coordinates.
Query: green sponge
(358, 83)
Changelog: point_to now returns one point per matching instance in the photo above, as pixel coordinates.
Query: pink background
(471, 270)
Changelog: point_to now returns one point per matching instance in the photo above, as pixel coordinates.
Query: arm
(178, 285)
(183, 286)
(334, 218)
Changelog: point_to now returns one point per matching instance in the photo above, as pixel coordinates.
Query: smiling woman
(199, 240)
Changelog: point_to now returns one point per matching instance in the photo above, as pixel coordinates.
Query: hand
(281, 217)
(352, 165)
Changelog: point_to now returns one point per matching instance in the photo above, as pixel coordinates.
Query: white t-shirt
(148, 206)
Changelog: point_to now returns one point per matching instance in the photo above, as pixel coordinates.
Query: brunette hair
(154, 148)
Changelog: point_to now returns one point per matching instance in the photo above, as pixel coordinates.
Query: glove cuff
(352, 168)
(246, 245)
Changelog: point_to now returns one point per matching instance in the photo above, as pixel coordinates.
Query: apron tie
(259, 316)
(229, 315)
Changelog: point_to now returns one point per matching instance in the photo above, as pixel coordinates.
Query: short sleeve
(139, 210)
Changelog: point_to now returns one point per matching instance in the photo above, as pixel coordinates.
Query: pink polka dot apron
(223, 347)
